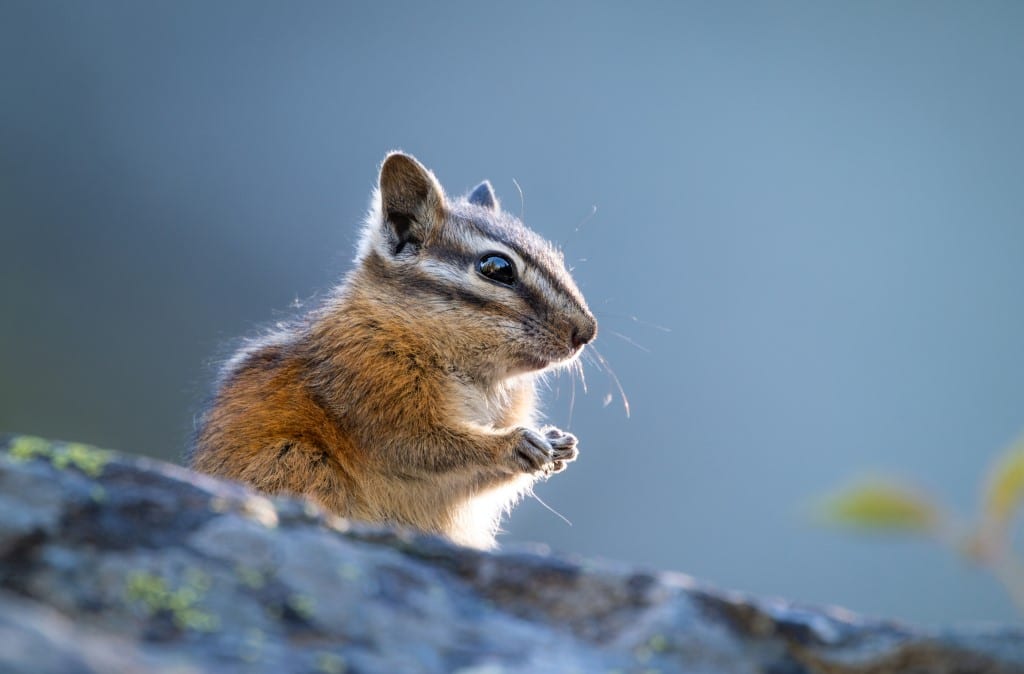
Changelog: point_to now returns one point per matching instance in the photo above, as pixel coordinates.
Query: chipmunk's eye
(497, 268)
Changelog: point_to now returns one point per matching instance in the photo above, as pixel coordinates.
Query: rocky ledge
(113, 563)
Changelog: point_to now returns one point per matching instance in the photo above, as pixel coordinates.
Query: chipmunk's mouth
(533, 362)
(530, 362)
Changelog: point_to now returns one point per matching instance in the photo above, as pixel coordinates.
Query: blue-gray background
(822, 203)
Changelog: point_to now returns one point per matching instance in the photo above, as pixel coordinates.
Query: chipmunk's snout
(584, 332)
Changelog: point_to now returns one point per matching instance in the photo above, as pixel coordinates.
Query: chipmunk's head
(499, 291)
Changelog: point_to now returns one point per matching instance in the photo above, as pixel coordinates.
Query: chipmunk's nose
(584, 332)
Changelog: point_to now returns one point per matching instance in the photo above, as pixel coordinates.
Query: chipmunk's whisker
(587, 218)
(611, 373)
(533, 495)
(522, 200)
(572, 396)
(583, 376)
(631, 318)
(629, 341)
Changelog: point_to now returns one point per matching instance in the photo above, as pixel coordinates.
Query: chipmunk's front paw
(546, 452)
(563, 447)
(533, 452)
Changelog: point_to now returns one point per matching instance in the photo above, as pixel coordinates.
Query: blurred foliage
(883, 505)
(1005, 486)
(887, 505)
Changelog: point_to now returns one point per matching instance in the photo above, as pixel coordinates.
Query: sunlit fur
(403, 396)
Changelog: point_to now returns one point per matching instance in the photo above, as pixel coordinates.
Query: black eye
(497, 268)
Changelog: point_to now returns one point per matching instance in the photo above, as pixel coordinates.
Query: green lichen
(658, 643)
(153, 594)
(26, 447)
(253, 579)
(302, 605)
(90, 460)
(330, 663)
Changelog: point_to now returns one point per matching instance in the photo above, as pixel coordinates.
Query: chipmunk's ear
(412, 203)
(483, 195)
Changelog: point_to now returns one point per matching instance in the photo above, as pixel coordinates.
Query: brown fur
(386, 409)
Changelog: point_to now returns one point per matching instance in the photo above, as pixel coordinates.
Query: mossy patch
(252, 578)
(658, 643)
(153, 594)
(89, 460)
(302, 605)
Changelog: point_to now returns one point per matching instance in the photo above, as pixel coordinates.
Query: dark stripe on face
(572, 295)
(457, 257)
(467, 261)
(422, 284)
(417, 283)
(532, 298)
(499, 235)
(543, 270)
(464, 260)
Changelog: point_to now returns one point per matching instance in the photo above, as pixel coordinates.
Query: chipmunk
(407, 395)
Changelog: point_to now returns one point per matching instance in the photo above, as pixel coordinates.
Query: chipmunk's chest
(501, 406)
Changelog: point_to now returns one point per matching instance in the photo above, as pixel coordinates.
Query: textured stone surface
(110, 563)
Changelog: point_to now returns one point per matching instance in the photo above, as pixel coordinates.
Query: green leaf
(882, 505)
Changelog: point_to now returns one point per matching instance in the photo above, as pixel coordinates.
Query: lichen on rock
(112, 563)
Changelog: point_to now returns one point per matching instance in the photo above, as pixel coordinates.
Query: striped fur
(407, 395)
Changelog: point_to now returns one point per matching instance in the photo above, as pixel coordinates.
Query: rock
(112, 563)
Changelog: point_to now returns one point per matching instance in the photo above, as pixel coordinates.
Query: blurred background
(806, 254)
